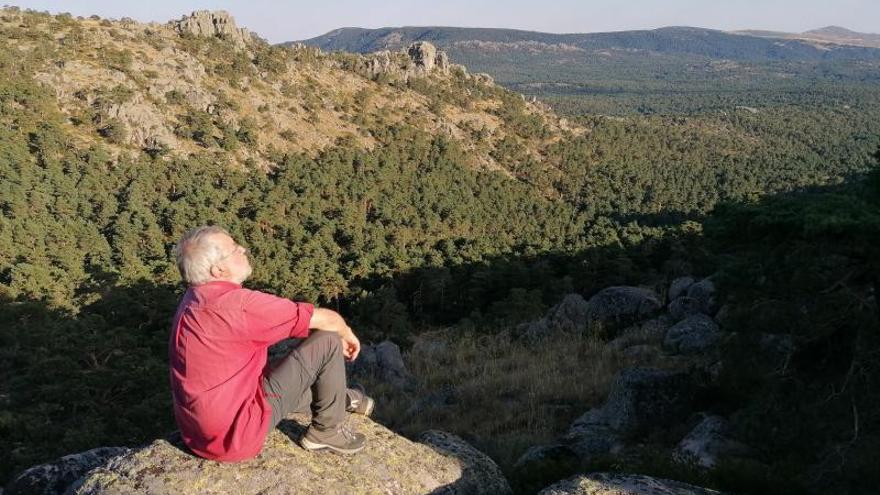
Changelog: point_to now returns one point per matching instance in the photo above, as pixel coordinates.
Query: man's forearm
(325, 319)
(328, 320)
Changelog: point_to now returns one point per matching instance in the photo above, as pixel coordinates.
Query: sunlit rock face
(390, 463)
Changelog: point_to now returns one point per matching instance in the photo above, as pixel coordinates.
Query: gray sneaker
(339, 439)
(357, 401)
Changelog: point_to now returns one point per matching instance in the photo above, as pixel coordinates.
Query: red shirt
(217, 357)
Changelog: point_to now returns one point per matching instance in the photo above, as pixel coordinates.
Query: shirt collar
(218, 284)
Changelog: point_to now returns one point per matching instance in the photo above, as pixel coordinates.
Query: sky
(278, 21)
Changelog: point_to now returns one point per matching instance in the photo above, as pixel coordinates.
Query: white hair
(197, 252)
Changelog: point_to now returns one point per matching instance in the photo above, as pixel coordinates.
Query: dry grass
(501, 395)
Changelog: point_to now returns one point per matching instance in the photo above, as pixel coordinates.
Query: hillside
(189, 86)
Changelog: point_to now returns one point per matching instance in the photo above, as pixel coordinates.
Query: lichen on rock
(390, 463)
(622, 484)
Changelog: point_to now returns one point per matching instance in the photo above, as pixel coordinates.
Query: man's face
(234, 260)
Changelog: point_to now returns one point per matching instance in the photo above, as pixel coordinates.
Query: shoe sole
(306, 444)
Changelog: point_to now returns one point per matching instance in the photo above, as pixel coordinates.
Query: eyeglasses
(238, 249)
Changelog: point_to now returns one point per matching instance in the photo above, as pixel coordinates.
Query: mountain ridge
(829, 34)
(363, 40)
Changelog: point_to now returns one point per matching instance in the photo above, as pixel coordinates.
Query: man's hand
(351, 346)
(325, 319)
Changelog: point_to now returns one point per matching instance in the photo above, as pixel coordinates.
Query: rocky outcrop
(641, 400)
(380, 63)
(427, 57)
(439, 463)
(622, 305)
(56, 476)
(610, 307)
(217, 23)
(418, 60)
(145, 125)
(689, 296)
(622, 484)
(79, 84)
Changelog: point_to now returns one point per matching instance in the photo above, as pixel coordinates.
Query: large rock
(571, 314)
(693, 335)
(684, 306)
(56, 476)
(442, 463)
(427, 57)
(622, 484)
(384, 362)
(480, 474)
(651, 332)
(679, 287)
(622, 305)
(642, 399)
(590, 436)
(704, 292)
(145, 125)
(217, 23)
(542, 465)
(708, 442)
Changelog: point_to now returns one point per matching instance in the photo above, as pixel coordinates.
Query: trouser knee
(327, 343)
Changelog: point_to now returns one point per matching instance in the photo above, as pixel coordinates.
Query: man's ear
(216, 271)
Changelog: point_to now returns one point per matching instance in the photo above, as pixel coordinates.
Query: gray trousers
(310, 379)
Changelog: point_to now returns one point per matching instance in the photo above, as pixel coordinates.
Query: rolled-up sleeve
(270, 318)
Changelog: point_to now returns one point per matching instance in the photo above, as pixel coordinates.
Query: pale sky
(279, 21)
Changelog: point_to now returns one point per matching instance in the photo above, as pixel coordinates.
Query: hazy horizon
(278, 22)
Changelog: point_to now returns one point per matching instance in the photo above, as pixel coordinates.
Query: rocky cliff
(207, 23)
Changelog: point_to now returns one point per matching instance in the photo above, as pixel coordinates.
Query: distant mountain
(829, 34)
(672, 62)
(690, 41)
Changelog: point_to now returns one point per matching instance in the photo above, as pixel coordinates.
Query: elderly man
(226, 398)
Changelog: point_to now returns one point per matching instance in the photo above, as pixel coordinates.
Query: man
(226, 398)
